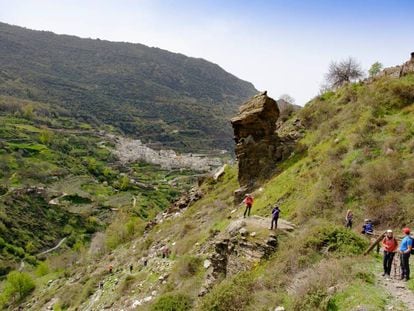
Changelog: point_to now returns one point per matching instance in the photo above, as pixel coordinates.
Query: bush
(188, 266)
(42, 269)
(382, 176)
(172, 302)
(231, 295)
(18, 285)
(340, 240)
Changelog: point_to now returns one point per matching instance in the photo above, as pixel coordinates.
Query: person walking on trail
(367, 228)
(248, 201)
(390, 244)
(348, 219)
(405, 252)
(275, 216)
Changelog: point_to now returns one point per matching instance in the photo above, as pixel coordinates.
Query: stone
(147, 299)
(207, 264)
(235, 226)
(280, 308)
(243, 231)
(389, 151)
(220, 172)
(253, 234)
(257, 144)
(331, 290)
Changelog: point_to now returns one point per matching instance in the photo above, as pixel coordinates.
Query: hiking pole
(371, 247)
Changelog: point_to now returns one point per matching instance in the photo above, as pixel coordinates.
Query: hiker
(275, 216)
(367, 228)
(348, 219)
(110, 268)
(165, 252)
(389, 243)
(131, 267)
(248, 200)
(405, 251)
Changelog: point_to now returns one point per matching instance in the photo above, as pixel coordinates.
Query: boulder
(235, 227)
(243, 232)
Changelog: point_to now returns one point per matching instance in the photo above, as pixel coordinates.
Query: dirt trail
(397, 288)
(53, 248)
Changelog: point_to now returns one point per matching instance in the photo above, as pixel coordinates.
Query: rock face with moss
(258, 147)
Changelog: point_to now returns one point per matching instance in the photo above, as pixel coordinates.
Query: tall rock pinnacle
(257, 144)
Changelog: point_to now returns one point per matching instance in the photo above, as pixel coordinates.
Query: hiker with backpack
(248, 201)
(405, 251)
(368, 227)
(275, 216)
(348, 219)
(389, 243)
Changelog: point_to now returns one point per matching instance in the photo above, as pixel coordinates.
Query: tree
(345, 71)
(375, 69)
(287, 98)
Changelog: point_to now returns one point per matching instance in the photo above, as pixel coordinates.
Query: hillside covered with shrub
(59, 178)
(355, 152)
(148, 93)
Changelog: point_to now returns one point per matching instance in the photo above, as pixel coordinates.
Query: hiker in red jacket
(390, 244)
(248, 200)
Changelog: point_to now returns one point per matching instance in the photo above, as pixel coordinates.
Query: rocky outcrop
(240, 248)
(258, 147)
(397, 71)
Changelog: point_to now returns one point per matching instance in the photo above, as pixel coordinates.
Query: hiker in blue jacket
(275, 216)
(368, 227)
(405, 252)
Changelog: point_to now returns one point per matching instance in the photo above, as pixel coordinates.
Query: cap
(389, 231)
(366, 220)
(406, 230)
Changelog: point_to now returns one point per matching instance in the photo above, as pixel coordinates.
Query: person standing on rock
(348, 219)
(248, 201)
(389, 243)
(275, 216)
(405, 251)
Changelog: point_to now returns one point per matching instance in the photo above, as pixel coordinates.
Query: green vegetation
(173, 302)
(60, 180)
(17, 286)
(153, 94)
(356, 153)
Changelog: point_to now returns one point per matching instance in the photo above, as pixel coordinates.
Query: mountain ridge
(159, 95)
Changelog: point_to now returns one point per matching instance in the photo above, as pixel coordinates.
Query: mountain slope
(355, 152)
(146, 92)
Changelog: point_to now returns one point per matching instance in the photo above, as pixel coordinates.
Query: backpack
(412, 245)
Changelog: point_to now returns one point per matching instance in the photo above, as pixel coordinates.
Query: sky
(284, 47)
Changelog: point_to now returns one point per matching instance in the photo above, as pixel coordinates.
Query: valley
(125, 172)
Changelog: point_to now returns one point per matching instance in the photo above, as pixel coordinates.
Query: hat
(389, 231)
(406, 230)
(366, 220)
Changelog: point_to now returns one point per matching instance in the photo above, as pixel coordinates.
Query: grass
(359, 294)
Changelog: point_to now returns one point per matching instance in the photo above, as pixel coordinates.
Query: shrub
(18, 285)
(336, 239)
(230, 295)
(382, 175)
(42, 269)
(172, 302)
(188, 266)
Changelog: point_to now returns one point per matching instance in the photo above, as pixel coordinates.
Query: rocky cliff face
(258, 147)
